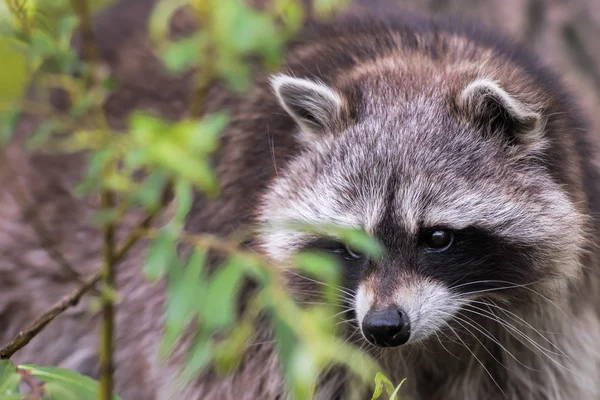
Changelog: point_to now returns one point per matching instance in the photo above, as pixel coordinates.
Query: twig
(105, 391)
(27, 335)
(72, 299)
(80, 8)
(36, 390)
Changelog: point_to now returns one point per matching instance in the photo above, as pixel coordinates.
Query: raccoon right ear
(497, 111)
(313, 105)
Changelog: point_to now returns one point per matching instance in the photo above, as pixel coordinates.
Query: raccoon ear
(496, 110)
(313, 105)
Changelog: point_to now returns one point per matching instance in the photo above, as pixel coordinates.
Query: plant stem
(70, 300)
(81, 9)
(105, 391)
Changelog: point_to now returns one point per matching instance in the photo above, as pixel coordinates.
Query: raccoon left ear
(313, 105)
(497, 111)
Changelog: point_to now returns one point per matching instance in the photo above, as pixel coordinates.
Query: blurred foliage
(35, 39)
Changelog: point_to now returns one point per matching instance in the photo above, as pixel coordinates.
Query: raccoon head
(450, 180)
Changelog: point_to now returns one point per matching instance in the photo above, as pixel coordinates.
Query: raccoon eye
(439, 239)
(347, 252)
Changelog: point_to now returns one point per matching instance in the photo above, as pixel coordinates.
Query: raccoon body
(454, 147)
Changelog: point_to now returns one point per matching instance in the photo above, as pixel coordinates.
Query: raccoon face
(449, 181)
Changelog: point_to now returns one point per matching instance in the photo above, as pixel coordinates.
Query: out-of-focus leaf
(96, 166)
(149, 193)
(8, 123)
(325, 8)
(291, 12)
(304, 374)
(288, 348)
(65, 384)
(173, 157)
(323, 266)
(184, 197)
(41, 44)
(158, 24)
(161, 256)
(230, 351)
(185, 53)
(14, 77)
(65, 27)
(355, 238)
(202, 137)
(107, 216)
(67, 63)
(9, 379)
(42, 132)
(236, 72)
(199, 356)
(186, 289)
(83, 104)
(222, 290)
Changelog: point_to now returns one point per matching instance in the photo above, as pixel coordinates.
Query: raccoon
(453, 146)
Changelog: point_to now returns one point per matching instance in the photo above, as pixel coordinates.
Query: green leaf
(185, 53)
(203, 136)
(381, 382)
(184, 197)
(106, 216)
(41, 45)
(236, 73)
(394, 395)
(67, 63)
(65, 384)
(356, 238)
(322, 265)
(161, 256)
(149, 193)
(185, 290)
(42, 132)
(95, 168)
(326, 8)
(65, 28)
(229, 352)
(160, 18)
(8, 124)
(222, 290)
(178, 160)
(199, 356)
(15, 76)
(9, 379)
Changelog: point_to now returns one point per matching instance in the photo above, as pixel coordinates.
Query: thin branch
(72, 299)
(37, 391)
(81, 9)
(105, 391)
(27, 335)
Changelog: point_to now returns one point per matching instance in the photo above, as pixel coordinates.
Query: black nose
(386, 328)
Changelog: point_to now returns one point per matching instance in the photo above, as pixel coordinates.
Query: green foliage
(56, 383)
(153, 154)
(63, 384)
(381, 383)
(9, 380)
